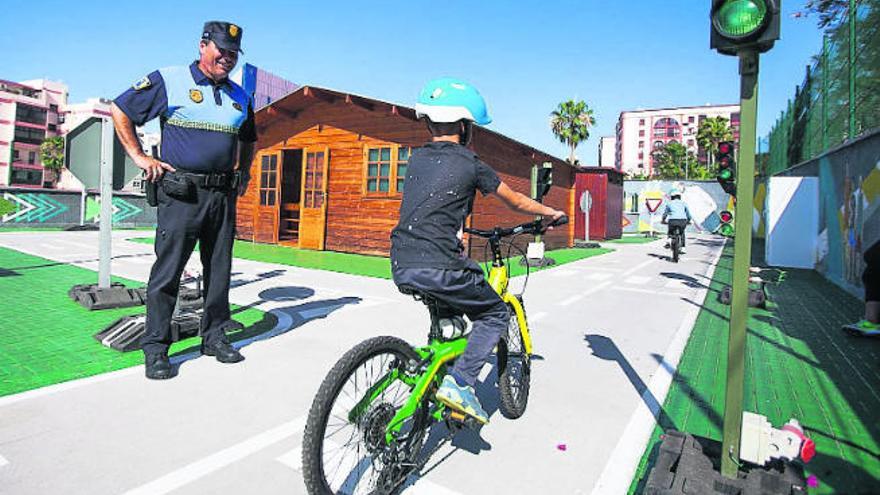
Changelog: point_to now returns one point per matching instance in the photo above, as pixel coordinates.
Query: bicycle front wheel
(514, 370)
(675, 247)
(344, 444)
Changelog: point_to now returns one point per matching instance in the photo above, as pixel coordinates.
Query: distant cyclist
(677, 215)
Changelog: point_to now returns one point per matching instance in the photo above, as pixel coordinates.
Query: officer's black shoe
(223, 351)
(158, 367)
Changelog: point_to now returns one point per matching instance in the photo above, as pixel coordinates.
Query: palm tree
(711, 132)
(571, 122)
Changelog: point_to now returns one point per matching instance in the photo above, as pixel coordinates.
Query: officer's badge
(233, 30)
(236, 106)
(142, 84)
(196, 95)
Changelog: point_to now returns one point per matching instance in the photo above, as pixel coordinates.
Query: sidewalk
(799, 365)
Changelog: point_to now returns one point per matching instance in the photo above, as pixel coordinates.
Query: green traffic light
(725, 174)
(726, 230)
(740, 18)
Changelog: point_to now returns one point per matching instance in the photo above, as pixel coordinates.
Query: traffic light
(726, 167)
(726, 227)
(744, 25)
(543, 181)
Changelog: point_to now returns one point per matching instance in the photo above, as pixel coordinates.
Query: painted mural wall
(849, 207)
(50, 208)
(705, 200)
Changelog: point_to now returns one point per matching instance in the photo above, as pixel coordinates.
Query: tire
(515, 369)
(675, 244)
(369, 473)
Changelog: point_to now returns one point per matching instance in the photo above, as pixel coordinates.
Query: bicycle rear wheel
(514, 371)
(344, 447)
(675, 247)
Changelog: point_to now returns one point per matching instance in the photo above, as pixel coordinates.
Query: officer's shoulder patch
(236, 105)
(196, 95)
(142, 84)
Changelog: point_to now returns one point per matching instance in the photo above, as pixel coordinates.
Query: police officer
(207, 122)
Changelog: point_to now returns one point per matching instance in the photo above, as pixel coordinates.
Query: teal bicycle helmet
(450, 100)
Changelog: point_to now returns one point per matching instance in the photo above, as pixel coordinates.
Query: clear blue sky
(525, 57)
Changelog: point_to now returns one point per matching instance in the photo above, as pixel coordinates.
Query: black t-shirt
(441, 181)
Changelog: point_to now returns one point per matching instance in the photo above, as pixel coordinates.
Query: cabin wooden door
(313, 210)
(266, 221)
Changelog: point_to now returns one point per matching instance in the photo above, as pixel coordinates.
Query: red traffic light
(725, 147)
(726, 216)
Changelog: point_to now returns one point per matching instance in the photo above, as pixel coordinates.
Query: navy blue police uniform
(201, 123)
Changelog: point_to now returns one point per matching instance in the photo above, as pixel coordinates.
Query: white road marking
(203, 467)
(654, 292)
(675, 284)
(537, 317)
(3, 461)
(61, 387)
(46, 245)
(637, 280)
(414, 486)
(636, 268)
(621, 466)
(563, 273)
(571, 300)
(598, 276)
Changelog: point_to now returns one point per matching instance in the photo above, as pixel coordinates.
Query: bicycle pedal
(458, 416)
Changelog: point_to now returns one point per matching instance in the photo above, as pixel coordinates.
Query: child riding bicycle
(426, 248)
(677, 215)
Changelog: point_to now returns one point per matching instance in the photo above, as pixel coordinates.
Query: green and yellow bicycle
(368, 425)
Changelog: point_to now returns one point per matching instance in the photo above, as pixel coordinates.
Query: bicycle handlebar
(536, 227)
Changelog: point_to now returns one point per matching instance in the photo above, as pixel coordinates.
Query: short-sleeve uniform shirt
(201, 120)
(441, 182)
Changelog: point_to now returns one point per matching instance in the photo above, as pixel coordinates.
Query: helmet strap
(466, 134)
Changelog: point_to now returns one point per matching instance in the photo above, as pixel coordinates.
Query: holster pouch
(151, 189)
(178, 186)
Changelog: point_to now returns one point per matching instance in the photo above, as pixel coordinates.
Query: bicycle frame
(436, 355)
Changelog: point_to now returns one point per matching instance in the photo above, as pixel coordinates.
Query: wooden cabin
(329, 169)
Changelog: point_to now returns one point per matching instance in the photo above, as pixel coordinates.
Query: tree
(571, 123)
(711, 132)
(52, 153)
(829, 11)
(674, 161)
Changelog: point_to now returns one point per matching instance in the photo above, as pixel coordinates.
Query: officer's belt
(213, 180)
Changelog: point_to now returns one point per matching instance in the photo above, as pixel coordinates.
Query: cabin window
(386, 170)
(268, 176)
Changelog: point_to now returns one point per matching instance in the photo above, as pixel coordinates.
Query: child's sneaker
(461, 399)
(864, 328)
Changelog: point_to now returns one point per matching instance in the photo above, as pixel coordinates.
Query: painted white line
(598, 276)
(3, 461)
(537, 317)
(73, 384)
(637, 280)
(636, 268)
(563, 273)
(624, 460)
(571, 300)
(414, 486)
(214, 462)
(53, 247)
(653, 292)
(675, 284)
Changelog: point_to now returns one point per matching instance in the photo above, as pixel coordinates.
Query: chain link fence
(839, 97)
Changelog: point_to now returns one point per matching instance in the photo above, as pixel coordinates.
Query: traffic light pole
(742, 250)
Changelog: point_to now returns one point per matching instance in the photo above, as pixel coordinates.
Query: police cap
(224, 34)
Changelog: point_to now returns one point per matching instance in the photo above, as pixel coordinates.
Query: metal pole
(852, 69)
(742, 250)
(535, 194)
(825, 93)
(82, 206)
(106, 203)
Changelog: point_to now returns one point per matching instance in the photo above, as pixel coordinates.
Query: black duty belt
(228, 180)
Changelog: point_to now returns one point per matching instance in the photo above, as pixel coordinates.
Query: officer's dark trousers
(208, 218)
(466, 291)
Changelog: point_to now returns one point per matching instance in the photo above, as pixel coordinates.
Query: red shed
(605, 186)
